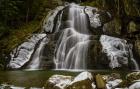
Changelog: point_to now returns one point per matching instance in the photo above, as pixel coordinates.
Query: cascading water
(22, 54)
(71, 50)
(70, 29)
(118, 51)
(35, 62)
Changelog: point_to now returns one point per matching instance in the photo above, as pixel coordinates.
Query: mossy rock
(100, 83)
(131, 77)
(132, 7)
(113, 27)
(123, 84)
(133, 27)
(85, 84)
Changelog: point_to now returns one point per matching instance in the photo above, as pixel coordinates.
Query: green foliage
(9, 10)
(18, 20)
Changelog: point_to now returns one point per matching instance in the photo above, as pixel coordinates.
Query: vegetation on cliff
(19, 19)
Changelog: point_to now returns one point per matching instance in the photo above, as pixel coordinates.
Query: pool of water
(37, 78)
(26, 78)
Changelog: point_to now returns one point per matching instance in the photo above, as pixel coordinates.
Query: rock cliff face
(125, 20)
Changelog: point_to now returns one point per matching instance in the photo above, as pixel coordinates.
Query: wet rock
(136, 85)
(113, 84)
(97, 18)
(100, 82)
(132, 27)
(111, 77)
(104, 16)
(93, 17)
(22, 54)
(58, 82)
(133, 77)
(116, 49)
(113, 27)
(137, 48)
(83, 81)
(48, 24)
(95, 53)
(47, 53)
(112, 81)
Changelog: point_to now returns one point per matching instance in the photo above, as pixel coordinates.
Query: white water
(71, 50)
(48, 24)
(23, 52)
(118, 51)
(132, 58)
(72, 46)
(35, 61)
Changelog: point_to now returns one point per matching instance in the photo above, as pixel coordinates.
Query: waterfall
(35, 60)
(48, 24)
(71, 35)
(23, 53)
(132, 58)
(72, 46)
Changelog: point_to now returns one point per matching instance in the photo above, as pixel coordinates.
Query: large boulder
(58, 82)
(83, 81)
(117, 50)
(97, 18)
(100, 82)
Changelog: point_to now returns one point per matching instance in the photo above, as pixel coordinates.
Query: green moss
(15, 37)
(100, 82)
(93, 4)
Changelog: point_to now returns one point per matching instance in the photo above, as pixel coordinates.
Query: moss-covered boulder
(133, 27)
(113, 27)
(100, 82)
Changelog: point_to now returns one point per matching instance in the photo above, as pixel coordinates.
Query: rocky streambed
(72, 80)
(87, 80)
